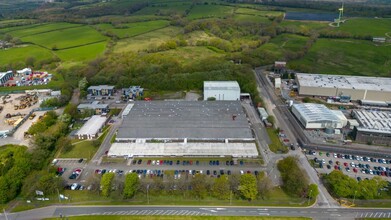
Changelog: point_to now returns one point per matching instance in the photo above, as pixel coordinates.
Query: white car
(153, 162)
(74, 186)
(157, 162)
(335, 155)
(241, 172)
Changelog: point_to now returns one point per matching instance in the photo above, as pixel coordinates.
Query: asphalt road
(315, 213)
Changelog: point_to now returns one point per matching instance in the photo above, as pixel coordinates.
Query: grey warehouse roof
(100, 87)
(198, 120)
(344, 82)
(315, 112)
(221, 85)
(373, 121)
(93, 105)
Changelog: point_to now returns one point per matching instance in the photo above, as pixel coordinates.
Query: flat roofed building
(91, 128)
(5, 76)
(98, 107)
(101, 90)
(222, 90)
(183, 149)
(357, 87)
(179, 120)
(375, 127)
(316, 116)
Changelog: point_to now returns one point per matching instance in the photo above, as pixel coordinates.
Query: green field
(346, 57)
(133, 29)
(251, 18)
(83, 53)
(304, 26)
(249, 11)
(208, 11)
(82, 149)
(147, 40)
(367, 26)
(66, 38)
(40, 28)
(289, 42)
(21, 53)
(165, 9)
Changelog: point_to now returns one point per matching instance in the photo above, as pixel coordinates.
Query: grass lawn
(82, 149)
(65, 38)
(249, 11)
(117, 217)
(165, 9)
(304, 26)
(133, 29)
(251, 18)
(276, 145)
(207, 11)
(37, 29)
(290, 42)
(345, 57)
(367, 26)
(83, 53)
(17, 54)
(145, 41)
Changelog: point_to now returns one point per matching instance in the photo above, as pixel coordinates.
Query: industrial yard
(14, 107)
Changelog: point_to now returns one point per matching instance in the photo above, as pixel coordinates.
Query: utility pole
(354, 198)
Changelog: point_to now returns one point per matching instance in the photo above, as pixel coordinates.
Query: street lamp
(148, 193)
(354, 198)
(309, 197)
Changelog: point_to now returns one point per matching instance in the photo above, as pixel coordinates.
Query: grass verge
(276, 146)
(116, 217)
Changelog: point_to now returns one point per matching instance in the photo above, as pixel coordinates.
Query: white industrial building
(357, 87)
(317, 116)
(375, 126)
(91, 128)
(5, 76)
(222, 90)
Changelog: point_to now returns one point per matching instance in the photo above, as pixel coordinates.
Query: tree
(211, 99)
(83, 83)
(271, 119)
(198, 186)
(248, 186)
(30, 61)
(131, 185)
(295, 181)
(220, 188)
(264, 186)
(313, 191)
(64, 144)
(105, 183)
(341, 185)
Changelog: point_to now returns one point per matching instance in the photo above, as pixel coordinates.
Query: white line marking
(371, 214)
(366, 214)
(389, 214)
(375, 215)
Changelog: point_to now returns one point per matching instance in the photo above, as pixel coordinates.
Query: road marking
(106, 213)
(133, 212)
(366, 214)
(371, 215)
(262, 213)
(389, 214)
(158, 212)
(361, 215)
(263, 209)
(375, 215)
(356, 215)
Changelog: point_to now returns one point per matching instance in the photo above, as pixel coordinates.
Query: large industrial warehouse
(358, 87)
(222, 90)
(374, 128)
(185, 128)
(317, 116)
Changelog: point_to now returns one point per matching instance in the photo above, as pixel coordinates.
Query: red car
(161, 162)
(345, 164)
(336, 167)
(149, 162)
(355, 170)
(286, 140)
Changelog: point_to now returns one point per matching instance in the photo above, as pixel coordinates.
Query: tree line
(247, 186)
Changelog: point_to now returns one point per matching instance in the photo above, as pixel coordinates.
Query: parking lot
(358, 167)
(77, 171)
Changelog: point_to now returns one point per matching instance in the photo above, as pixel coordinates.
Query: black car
(80, 160)
(358, 178)
(221, 172)
(217, 162)
(227, 163)
(134, 162)
(241, 162)
(293, 147)
(197, 162)
(231, 162)
(178, 162)
(208, 172)
(210, 163)
(256, 173)
(214, 172)
(328, 166)
(330, 162)
(229, 172)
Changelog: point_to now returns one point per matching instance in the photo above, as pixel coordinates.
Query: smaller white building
(277, 83)
(91, 128)
(317, 116)
(25, 71)
(262, 113)
(222, 90)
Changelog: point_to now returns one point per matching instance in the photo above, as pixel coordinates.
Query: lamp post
(354, 198)
(309, 197)
(148, 193)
